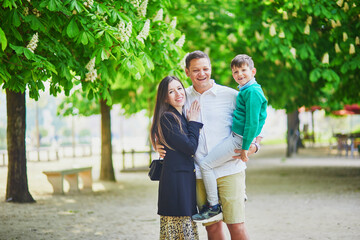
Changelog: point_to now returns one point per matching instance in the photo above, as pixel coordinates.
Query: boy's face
(243, 74)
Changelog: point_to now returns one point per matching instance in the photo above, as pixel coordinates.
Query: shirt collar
(248, 84)
(212, 90)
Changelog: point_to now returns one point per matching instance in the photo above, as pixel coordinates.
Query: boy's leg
(222, 153)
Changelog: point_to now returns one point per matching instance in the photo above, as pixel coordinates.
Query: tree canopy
(305, 52)
(95, 44)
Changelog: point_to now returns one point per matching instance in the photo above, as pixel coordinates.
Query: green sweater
(250, 114)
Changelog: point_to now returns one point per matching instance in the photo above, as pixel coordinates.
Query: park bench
(56, 178)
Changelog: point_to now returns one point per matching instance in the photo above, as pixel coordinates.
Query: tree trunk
(17, 184)
(293, 133)
(107, 169)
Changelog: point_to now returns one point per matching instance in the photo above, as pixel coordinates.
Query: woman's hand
(160, 149)
(194, 111)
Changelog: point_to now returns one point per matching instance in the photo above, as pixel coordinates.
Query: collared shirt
(216, 113)
(248, 84)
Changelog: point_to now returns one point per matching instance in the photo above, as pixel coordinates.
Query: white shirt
(216, 113)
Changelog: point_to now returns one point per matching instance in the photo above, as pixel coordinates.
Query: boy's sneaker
(208, 214)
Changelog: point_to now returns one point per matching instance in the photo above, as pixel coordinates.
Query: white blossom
(26, 11)
(182, 62)
(142, 8)
(307, 29)
(232, 38)
(181, 41)
(345, 36)
(144, 32)
(333, 23)
(272, 30)
(337, 48)
(92, 74)
(36, 12)
(352, 49)
(128, 30)
(135, 3)
(325, 58)
(159, 15)
(33, 42)
(293, 52)
(91, 64)
(357, 41)
(285, 15)
(211, 15)
(173, 23)
(309, 20)
(89, 3)
(258, 36)
(340, 3)
(282, 34)
(294, 14)
(346, 7)
(124, 32)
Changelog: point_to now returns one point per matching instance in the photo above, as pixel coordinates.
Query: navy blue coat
(177, 187)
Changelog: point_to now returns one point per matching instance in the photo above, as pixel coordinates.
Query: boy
(248, 120)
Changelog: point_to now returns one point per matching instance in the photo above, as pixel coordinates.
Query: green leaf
(16, 19)
(35, 24)
(18, 50)
(84, 38)
(72, 29)
(104, 54)
(28, 54)
(3, 40)
(99, 34)
(315, 74)
(53, 5)
(108, 41)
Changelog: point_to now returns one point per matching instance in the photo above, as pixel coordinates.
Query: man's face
(243, 74)
(199, 72)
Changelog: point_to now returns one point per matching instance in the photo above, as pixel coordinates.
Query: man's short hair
(195, 55)
(242, 59)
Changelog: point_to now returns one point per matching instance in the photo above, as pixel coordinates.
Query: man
(217, 104)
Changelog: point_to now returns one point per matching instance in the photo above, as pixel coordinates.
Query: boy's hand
(243, 155)
(160, 149)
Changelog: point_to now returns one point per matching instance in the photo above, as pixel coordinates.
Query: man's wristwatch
(257, 147)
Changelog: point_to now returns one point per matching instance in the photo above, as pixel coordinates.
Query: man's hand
(160, 149)
(244, 155)
(251, 150)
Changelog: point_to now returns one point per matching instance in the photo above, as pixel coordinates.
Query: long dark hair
(161, 106)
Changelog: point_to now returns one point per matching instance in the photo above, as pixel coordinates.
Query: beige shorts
(231, 194)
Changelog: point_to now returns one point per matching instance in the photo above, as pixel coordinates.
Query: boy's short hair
(242, 59)
(195, 55)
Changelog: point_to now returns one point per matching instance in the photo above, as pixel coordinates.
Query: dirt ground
(313, 195)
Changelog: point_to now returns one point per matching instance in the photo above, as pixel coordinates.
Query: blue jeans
(220, 154)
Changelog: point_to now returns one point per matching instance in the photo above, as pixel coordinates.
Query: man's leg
(238, 231)
(232, 198)
(215, 231)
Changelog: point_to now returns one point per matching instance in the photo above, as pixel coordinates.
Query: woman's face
(176, 95)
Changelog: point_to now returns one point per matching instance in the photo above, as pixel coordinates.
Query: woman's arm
(185, 143)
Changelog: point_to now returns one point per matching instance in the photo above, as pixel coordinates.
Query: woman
(177, 193)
